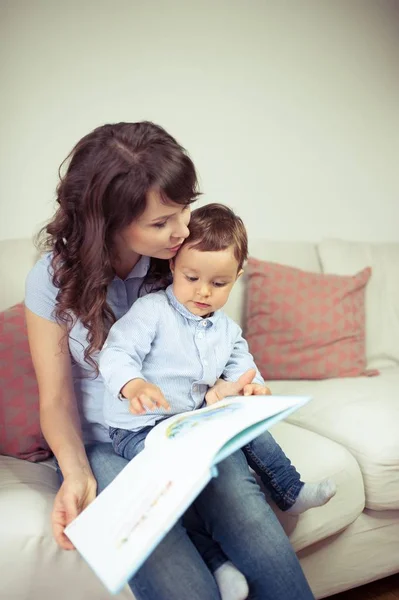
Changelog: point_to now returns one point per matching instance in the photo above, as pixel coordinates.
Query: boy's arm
(240, 361)
(128, 343)
(240, 375)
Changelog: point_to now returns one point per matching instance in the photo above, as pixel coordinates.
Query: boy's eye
(192, 279)
(219, 284)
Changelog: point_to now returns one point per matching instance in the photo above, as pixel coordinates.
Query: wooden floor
(384, 589)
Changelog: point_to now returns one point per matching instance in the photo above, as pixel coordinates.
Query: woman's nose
(183, 231)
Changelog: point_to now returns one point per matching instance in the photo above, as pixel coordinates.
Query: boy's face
(202, 281)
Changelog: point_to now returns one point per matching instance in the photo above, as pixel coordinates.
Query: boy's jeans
(278, 475)
(128, 443)
(263, 454)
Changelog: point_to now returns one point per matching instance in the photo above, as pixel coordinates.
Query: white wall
(289, 108)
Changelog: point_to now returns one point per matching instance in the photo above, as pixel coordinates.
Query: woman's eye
(160, 225)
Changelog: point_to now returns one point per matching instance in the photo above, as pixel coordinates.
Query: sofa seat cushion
(27, 491)
(318, 458)
(362, 414)
(32, 566)
(367, 550)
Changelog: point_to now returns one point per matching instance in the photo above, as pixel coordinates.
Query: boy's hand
(242, 387)
(143, 395)
(256, 389)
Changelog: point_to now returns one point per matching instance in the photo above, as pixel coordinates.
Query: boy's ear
(240, 272)
(172, 265)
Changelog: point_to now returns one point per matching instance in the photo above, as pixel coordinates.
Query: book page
(117, 532)
(215, 425)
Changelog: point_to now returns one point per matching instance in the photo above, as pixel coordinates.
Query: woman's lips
(175, 248)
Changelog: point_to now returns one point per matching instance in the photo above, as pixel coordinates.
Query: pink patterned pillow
(304, 325)
(20, 433)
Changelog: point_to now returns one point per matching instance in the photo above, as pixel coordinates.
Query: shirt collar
(185, 312)
(140, 269)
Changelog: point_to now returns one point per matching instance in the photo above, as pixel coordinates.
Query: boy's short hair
(215, 227)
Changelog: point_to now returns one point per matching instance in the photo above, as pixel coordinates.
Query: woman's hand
(75, 493)
(143, 395)
(242, 387)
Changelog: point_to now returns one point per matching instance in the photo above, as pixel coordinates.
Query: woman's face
(159, 231)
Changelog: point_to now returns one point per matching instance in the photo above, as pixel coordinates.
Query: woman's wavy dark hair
(102, 191)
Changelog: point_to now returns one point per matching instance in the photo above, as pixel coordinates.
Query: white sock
(231, 582)
(312, 495)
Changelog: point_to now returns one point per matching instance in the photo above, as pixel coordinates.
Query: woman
(124, 209)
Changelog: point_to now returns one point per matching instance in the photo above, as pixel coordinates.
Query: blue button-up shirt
(160, 341)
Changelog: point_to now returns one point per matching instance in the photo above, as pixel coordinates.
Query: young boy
(175, 350)
(167, 354)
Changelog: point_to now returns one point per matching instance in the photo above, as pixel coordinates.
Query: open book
(118, 531)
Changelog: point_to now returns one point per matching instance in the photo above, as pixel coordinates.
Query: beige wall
(289, 108)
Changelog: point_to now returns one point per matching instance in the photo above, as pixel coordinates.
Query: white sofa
(348, 432)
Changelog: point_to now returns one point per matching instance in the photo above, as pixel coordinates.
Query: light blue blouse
(41, 299)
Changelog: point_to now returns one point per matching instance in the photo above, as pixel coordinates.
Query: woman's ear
(240, 272)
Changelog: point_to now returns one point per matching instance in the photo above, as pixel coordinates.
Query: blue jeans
(278, 475)
(234, 513)
(128, 443)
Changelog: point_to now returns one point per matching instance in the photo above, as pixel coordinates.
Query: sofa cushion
(362, 414)
(303, 325)
(20, 433)
(302, 255)
(32, 566)
(17, 257)
(382, 293)
(35, 486)
(367, 550)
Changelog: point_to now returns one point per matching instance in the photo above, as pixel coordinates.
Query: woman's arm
(60, 421)
(59, 417)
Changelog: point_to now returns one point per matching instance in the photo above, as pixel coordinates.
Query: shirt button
(204, 323)
(200, 335)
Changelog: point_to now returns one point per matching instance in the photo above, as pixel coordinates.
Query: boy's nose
(204, 290)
